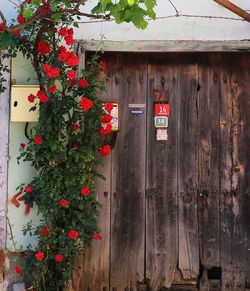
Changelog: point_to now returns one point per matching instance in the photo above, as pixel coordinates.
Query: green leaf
(27, 13)
(131, 2)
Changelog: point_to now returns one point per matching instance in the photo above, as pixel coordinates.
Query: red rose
(44, 231)
(28, 189)
(43, 48)
(75, 127)
(85, 191)
(69, 39)
(108, 107)
(64, 203)
(97, 236)
(52, 89)
(22, 145)
(59, 258)
(63, 56)
(46, 68)
(82, 83)
(73, 60)
(63, 31)
(42, 96)
(39, 256)
(73, 234)
(21, 19)
(2, 27)
(71, 74)
(106, 118)
(54, 73)
(15, 31)
(18, 270)
(103, 65)
(105, 150)
(31, 98)
(38, 139)
(106, 130)
(86, 103)
(51, 72)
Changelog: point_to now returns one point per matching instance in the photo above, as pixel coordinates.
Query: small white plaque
(161, 134)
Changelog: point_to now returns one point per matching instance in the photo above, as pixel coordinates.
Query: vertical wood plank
(208, 159)
(161, 184)
(92, 269)
(128, 179)
(188, 170)
(4, 142)
(233, 228)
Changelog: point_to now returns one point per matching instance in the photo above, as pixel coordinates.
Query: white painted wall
(167, 26)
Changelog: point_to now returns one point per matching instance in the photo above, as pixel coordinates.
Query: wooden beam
(166, 46)
(234, 8)
(4, 152)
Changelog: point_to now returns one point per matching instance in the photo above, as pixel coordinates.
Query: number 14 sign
(162, 109)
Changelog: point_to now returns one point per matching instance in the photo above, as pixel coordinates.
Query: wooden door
(176, 213)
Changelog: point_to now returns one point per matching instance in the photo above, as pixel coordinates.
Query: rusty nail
(105, 193)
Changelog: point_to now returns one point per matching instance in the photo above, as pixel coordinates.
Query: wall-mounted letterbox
(20, 105)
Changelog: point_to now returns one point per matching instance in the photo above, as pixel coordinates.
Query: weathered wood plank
(92, 269)
(167, 46)
(161, 184)
(208, 160)
(233, 228)
(128, 179)
(188, 170)
(240, 91)
(4, 142)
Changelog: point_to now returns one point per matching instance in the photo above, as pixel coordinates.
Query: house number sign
(162, 112)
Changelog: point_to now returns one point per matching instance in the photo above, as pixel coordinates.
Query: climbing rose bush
(67, 144)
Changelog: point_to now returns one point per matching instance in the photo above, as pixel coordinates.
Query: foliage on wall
(69, 138)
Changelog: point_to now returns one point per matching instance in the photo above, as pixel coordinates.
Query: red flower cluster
(43, 48)
(51, 72)
(31, 98)
(21, 19)
(68, 56)
(28, 189)
(42, 96)
(108, 107)
(71, 74)
(64, 203)
(103, 65)
(38, 139)
(82, 83)
(39, 256)
(97, 236)
(105, 150)
(18, 270)
(44, 231)
(67, 34)
(106, 130)
(86, 103)
(2, 27)
(59, 258)
(52, 89)
(75, 127)
(107, 118)
(85, 191)
(15, 31)
(22, 145)
(73, 234)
